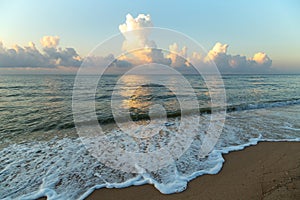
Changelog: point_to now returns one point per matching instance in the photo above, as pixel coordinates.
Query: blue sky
(269, 26)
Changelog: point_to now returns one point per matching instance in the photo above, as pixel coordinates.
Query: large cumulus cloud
(137, 47)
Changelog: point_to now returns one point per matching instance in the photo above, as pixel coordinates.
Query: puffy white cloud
(135, 32)
(177, 56)
(137, 47)
(50, 41)
(141, 21)
(262, 59)
(216, 51)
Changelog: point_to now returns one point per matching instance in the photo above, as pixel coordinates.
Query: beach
(268, 170)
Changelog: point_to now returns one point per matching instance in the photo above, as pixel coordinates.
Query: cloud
(17, 56)
(50, 41)
(109, 64)
(217, 51)
(137, 47)
(262, 59)
(67, 57)
(136, 36)
(177, 56)
(51, 56)
(227, 63)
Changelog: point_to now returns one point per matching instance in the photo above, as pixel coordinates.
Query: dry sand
(268, 171)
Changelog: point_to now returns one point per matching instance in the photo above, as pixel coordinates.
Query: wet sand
(269, 170)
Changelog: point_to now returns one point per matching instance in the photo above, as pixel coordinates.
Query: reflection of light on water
(138, 97)
(137, 100)
(133, 93)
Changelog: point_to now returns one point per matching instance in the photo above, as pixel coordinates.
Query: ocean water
(41, 153)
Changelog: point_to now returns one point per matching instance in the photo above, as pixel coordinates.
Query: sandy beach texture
(268, 171)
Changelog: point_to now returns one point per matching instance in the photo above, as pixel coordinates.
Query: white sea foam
(64, 169)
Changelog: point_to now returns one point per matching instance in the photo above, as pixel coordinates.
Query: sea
(42, 154)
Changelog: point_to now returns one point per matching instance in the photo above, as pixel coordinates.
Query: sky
(245, 28)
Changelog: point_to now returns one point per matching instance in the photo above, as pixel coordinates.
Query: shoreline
(268, 170)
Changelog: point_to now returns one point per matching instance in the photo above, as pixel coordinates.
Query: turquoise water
(40, 153)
